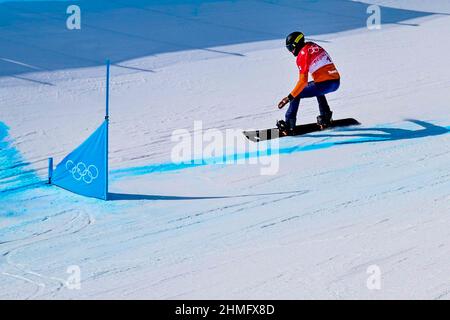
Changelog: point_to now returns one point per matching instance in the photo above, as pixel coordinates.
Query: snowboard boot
(284, 128)
(324, 121)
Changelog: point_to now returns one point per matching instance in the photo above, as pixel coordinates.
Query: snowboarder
(311, 58)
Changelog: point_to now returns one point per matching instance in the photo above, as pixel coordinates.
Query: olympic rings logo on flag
(82, 172)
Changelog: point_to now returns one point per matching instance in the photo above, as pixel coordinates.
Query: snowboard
(274, 133)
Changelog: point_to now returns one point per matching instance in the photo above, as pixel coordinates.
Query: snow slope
(342, 200)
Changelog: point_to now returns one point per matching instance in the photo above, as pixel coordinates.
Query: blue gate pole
(108, 64)
(50, 170)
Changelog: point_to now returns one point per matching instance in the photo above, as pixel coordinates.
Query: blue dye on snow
(14, 172)
(15, 176)
(228, 159)
(392, 135)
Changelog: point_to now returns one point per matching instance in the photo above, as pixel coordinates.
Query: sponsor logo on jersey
(320, 61)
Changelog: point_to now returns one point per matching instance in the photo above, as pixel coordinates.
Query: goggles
(291, 47)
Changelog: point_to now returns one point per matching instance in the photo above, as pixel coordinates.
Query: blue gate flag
(85, 170)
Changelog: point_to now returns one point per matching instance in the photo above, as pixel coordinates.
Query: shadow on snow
(128, 197)
(390, 134)
(34, 36)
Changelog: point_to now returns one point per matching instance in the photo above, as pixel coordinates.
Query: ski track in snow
(20, 271)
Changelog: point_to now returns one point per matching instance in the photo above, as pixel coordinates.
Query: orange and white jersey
(315, 60)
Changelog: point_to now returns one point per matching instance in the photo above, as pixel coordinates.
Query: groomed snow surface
(342, 203)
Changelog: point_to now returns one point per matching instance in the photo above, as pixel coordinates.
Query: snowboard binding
(284, 128)
(325, 121)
